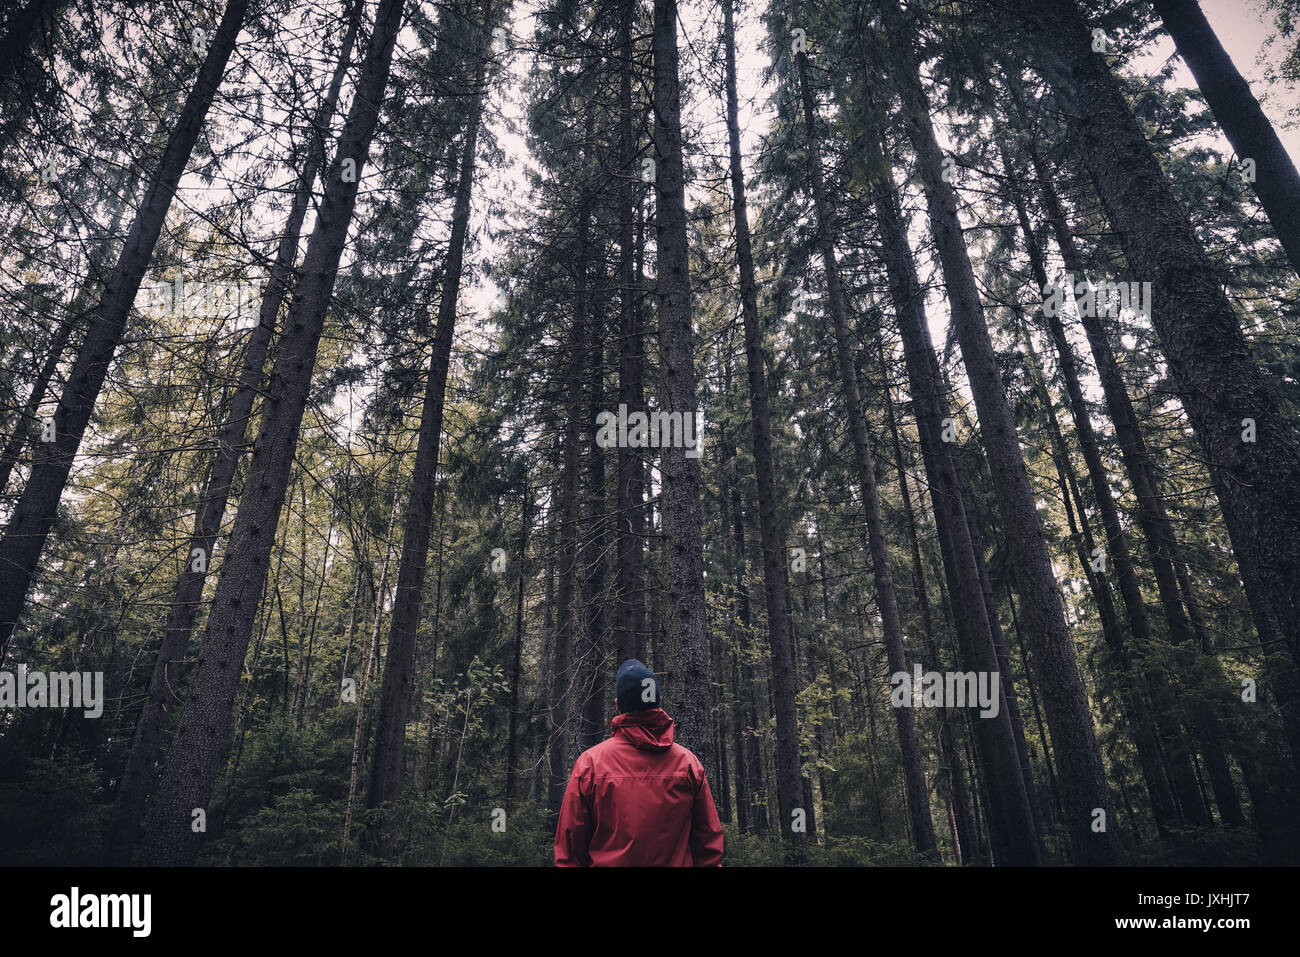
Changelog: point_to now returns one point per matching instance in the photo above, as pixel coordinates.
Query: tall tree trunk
(1008, 812)
(1086, 796)
(193, 761)
(441, 521)
(1184, 777)
(723, 771)
(1275, 180)
(164, 686)
(516, 668)
(34, 515)
(978, 468)
(914, 776)
(541, 702)
(592, 667)
(1131, 683)
(681, 473)
(388, 763)
(747, 696)
(771, 532)
(630, 574)
(1038, 714)
(1257, 482)
(954, 772)
(563, 685)
(1163, 549)
(918, 800)
(379, 596)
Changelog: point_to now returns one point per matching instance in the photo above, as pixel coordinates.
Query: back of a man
(638, 799)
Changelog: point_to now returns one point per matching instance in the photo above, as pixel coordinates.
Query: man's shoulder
(683, 753)
(597, 750)
(693, 762)
(675, 753)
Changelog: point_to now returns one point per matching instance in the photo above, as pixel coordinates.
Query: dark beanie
(630, 690)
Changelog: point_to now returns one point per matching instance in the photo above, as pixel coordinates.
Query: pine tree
(192, 763)
(35, 513)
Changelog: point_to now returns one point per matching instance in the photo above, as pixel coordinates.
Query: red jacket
(639, 800)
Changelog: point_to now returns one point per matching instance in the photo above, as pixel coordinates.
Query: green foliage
(296, 829)
(49, 816)
(769, 850)
(528, 840)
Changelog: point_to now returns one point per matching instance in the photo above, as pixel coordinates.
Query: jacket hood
(649, 730)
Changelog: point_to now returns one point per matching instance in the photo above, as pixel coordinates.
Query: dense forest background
(986, 314)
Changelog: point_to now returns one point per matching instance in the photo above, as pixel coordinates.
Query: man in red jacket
(637, 799)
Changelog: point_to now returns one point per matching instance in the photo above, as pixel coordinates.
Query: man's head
(636, 688)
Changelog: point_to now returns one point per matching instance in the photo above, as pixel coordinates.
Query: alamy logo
(183, 299)
(658, 430)
(1107, 299)
(951, 689)
(75, 909)
(57, 689)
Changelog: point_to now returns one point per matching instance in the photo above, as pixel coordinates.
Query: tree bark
(516, 669)
(958, 802)
(387, 766)
(1007, 810)
(918, 800)
(192, 764)
(681, 474)
(379, 595)
(164, 686)
(1131, 684)
(771, 532)
(1177, 750)
(1221, 384)
(1163, 549)
(1275, 180)
(563, 675)
(630, 573)
(1083, 780)
(593, 666)
(34, 515)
